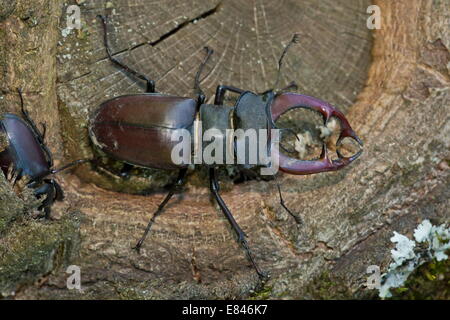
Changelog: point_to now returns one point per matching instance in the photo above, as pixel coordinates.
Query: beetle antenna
(197, 88)
(295, 39)
(71, 164)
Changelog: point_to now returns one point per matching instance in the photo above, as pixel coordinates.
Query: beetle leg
(15, 176)
(214, 186)
(44, 130)
(178, 183)
(150, 83)
(28, 119)
(44, 146)
(200, 94)
(125, 171)
(59, 194)
(220, 93)
(296, 217)
(48, 154)
(39, 135)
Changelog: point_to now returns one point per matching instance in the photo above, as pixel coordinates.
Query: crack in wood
(184, 24)
(169, 33)
(75, 78)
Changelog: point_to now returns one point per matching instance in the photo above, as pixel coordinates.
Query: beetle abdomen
(23, 150)
(138, 128)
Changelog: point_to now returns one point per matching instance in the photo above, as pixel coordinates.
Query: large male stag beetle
(137, 129)
(24, 154)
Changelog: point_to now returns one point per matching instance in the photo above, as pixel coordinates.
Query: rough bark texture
(393, 85)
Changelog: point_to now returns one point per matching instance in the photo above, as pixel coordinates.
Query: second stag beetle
(137, 129)
(25, 155)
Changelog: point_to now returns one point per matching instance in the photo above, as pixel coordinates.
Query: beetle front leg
(200, 94)
(39, 135)
(150, 83)
(178, 183)
(30, 121)
(214, 187)
(220, 93)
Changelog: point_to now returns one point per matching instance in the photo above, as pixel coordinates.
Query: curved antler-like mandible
(287, 101)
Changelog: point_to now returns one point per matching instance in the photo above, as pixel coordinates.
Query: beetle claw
(137, 248)
(287, 101)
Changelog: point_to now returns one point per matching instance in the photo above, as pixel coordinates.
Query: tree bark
(392, 84)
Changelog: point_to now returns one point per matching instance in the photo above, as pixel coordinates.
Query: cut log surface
(392, 84)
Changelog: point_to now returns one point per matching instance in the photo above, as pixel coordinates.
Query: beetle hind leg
(214, 186)
(178, 183)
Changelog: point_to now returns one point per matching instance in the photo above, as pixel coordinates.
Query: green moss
(263, 294)
(83, 33)
(34, 248)
(31, 248)
(431, 281)
(436, 145)
(327, 286)
(410, 174)
(12, 206)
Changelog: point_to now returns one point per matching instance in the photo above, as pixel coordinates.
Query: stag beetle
(137, 130)
(25, 154)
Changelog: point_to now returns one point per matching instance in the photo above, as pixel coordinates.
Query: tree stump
(392, 84)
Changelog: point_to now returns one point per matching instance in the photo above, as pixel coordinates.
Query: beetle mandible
(137, 129)
(25, 154)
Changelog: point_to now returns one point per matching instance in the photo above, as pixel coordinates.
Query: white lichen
(327, 131)
(404, 250)
(430, 242)
(423, 231)
(66, 31)
(302, 143)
